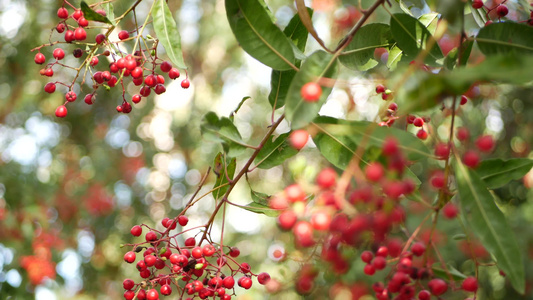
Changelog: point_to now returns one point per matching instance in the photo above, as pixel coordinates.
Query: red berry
(382, 251)
(137, 72)
(422, 134)
(50, 87)
(62, 13)
(83, 22)
(464, 100)
(124, 34)
(367, 256)
(69, 36)
(150, 236)
(190, 242)
(380, 88)
(70, 96)
(39, 58)
(234, 252)
(442, 150)
(119, 108)
(410, 119)
(100, 38)
(150, 80)
(152, 295)
(298, 138)
(393, 106)
(94, 61)
(129, 295)
(136, 230)
(80, 34)
(112, 81)
(320, 220)
(128, 284)
(418, 122)
(245, 282)
(150, 260)
(462, 134)
(369, 270)
(477, 4)
(136, 98)
(502, 10)
(327, 178)
(228, 282)
(437, 180)
(311, 92)
(77, 14)
(130, 64)
(374, 172)
(129, 257)
(418, 249)
(437, 286)
(58, 53)
(145, 91)
(379, 263)
(61, 28)
(61, 111)
(263, 278)
(471, 159)
(49, 72)
(183, 220)
(470, 284)
(166, 290)
(185, 83)
(166, 67)
(160, 89)
(450, 211)
(287, 219)
(208, 250)
(173, 73)
(197, 252)
(390, 146)
(485, 143)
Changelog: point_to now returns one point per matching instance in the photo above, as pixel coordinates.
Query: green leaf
(338, 150)
(222, 130)
(91, 15)
(259, 205)
(430, 21)
(299, 112)
(412, 36)
(220, 168)
(441, 273)
(359, 54)
(375, 135)
(257, 35)
(232, 115)
(490, 225)
(505, 38)
(497, 173)
(167, 33)
(281, 80)
(110, 12)
(395, 55)
(275, 152)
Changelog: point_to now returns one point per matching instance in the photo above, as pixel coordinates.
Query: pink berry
(485, 143)
(442, 150)
(450, 211)
(374, 172)
(327, 178)
(471, 159)
(298, 138)
(311, 92)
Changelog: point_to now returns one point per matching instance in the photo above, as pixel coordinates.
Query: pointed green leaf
(430, 21)
(375, 135)
(490, 225)
(359, 54)
(441, 273)
(110, 12)
(257, 35)
(299, 112)
(220, 168)
(275, 152)
(395, 55)
(167, 33)
(412, 36)
(338, 150)
(259, 205)
(91, 15)
(224, 131)
(504, 38)
(281, 80)
(497, 173)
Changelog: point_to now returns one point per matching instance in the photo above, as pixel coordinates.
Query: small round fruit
(83, 22)
(470, 284)
(77, 14)
(367, 256)
(462, 134)
(298, 138)
(228, 282)
(485, 143)
(418, 249)
(327, 178)
(100, 38)
(136, 98)
(422, 134)
(379, 263)
(61, 111)
(185, 83)
(129, 257)
(94, 61)
(152, 295)
(234, 252)
(442, 150)
(50, 87)
(136, 230)
(166, 290)
(418, 122)
(128, 284)
(471, 159)
(263, 278)
(464, 100)
(62, 13)
(80, 34)
(160, 89)
(173, 73)
(369, 270)
(69, 36)
(245, 282)
(502, 10)
(311, 92)
(424, 295)
(437, 286)
(150, 236)
(71, 96)
(477, 4)
(124, 34)
(320, 220)
(380, 88)
(183, 220)
(58, 53)
(374, 172)
(450, 211)
(165, 67)
(39, 58)
(61, 28)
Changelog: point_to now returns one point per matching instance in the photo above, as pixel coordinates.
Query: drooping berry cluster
(143, 66)
(189, 270)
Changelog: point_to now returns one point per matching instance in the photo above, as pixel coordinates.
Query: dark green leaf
(220, 168)
(281, 80)
(224, 131)
(490, 225)
(374, 135)
(497, 173)
(299, 112)
(167, 33)
(504, 38)
(359, 54)
(91, 15)
(412, 36)
(275, 152)
(260, 205)
(257, 35)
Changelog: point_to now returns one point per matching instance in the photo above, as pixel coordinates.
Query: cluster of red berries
(484, 143)
(141, 66)
(191, 270)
